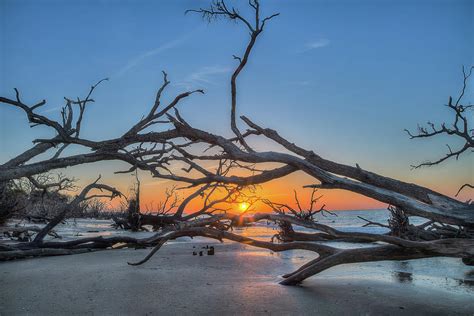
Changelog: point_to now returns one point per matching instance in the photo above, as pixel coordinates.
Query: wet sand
(237, 280)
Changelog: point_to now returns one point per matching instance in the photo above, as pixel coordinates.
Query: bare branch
(459, 129)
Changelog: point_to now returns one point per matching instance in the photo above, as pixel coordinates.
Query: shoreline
(238, 279)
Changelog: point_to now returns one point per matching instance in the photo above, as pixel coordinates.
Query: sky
(343, 78)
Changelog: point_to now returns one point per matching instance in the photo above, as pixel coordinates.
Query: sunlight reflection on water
(444, 273)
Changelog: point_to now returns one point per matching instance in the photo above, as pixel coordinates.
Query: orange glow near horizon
(279, 191)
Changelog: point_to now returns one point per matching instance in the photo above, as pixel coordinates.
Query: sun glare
(243, 206)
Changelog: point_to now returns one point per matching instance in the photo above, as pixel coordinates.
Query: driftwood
(395, 248)
(448, 230)
(24, 233)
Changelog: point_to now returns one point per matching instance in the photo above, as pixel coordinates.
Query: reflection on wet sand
(466, 282)
(469, 281)
(401, 272)
(403, 277)
(448, 274)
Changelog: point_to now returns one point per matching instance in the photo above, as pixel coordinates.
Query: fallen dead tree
(448, 230)
(393, 248)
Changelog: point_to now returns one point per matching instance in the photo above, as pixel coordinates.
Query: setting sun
(244, 206)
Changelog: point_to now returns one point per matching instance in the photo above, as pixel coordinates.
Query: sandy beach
(237, 280)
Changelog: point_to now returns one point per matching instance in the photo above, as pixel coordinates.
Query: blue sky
(343, 78)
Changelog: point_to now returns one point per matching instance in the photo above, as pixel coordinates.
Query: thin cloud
(54, 109)
(320, 43)
(203, 76)
(139, 59)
